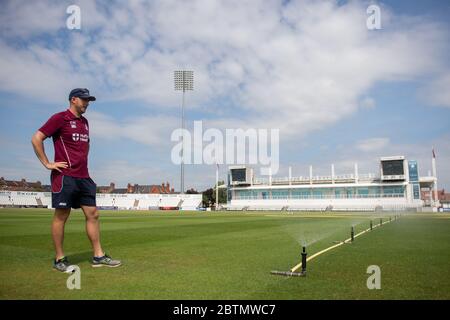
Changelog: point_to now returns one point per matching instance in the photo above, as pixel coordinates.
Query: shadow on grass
(80, 257)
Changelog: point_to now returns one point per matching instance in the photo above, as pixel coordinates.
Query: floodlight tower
(217, 186)
(184, 81)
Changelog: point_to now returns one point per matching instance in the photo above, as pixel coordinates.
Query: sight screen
(393, 167)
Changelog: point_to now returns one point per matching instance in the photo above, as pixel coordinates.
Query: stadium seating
(191, 203)
(5, 200)
(24, 199)
(148, 203)
(169, 201)
(119, 201)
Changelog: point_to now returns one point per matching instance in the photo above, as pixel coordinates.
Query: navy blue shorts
(70, 192)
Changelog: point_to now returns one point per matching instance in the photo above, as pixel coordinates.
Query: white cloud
(22, 18)
(368, 103)
(372, 144)
(148, 130)
(310, 59)
(299, 67)
(438, 91)
(38, 72)
(368, 160)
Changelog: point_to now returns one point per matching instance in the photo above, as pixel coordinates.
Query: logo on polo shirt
(80, 137)
(73, 124)
(84, 137)
(75, 136)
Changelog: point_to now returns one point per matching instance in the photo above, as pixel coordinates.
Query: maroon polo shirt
(71, 140)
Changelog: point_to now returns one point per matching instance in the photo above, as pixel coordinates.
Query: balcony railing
(312, 197)
(317, 179)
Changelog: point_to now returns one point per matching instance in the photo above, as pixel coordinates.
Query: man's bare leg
(58, 224)
(93, 229)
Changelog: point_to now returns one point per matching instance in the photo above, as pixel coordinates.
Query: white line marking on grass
(294, 269)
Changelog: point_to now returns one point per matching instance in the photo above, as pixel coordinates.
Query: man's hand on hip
(56, 166)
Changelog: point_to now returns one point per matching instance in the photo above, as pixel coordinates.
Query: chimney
(167, 187)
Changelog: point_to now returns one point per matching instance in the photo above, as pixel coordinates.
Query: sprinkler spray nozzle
(303, 254)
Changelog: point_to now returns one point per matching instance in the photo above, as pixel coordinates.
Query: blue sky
(338, 93)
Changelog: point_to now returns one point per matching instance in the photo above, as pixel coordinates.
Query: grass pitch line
(294, 269)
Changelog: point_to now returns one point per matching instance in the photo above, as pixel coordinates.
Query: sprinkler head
(286, 273)
(303, 254)
(352, 234)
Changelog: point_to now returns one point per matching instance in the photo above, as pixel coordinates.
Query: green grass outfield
(199, 255)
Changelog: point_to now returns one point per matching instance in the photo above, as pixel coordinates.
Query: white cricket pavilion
(397, 186)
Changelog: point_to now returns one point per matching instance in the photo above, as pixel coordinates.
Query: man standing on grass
(71, 185)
